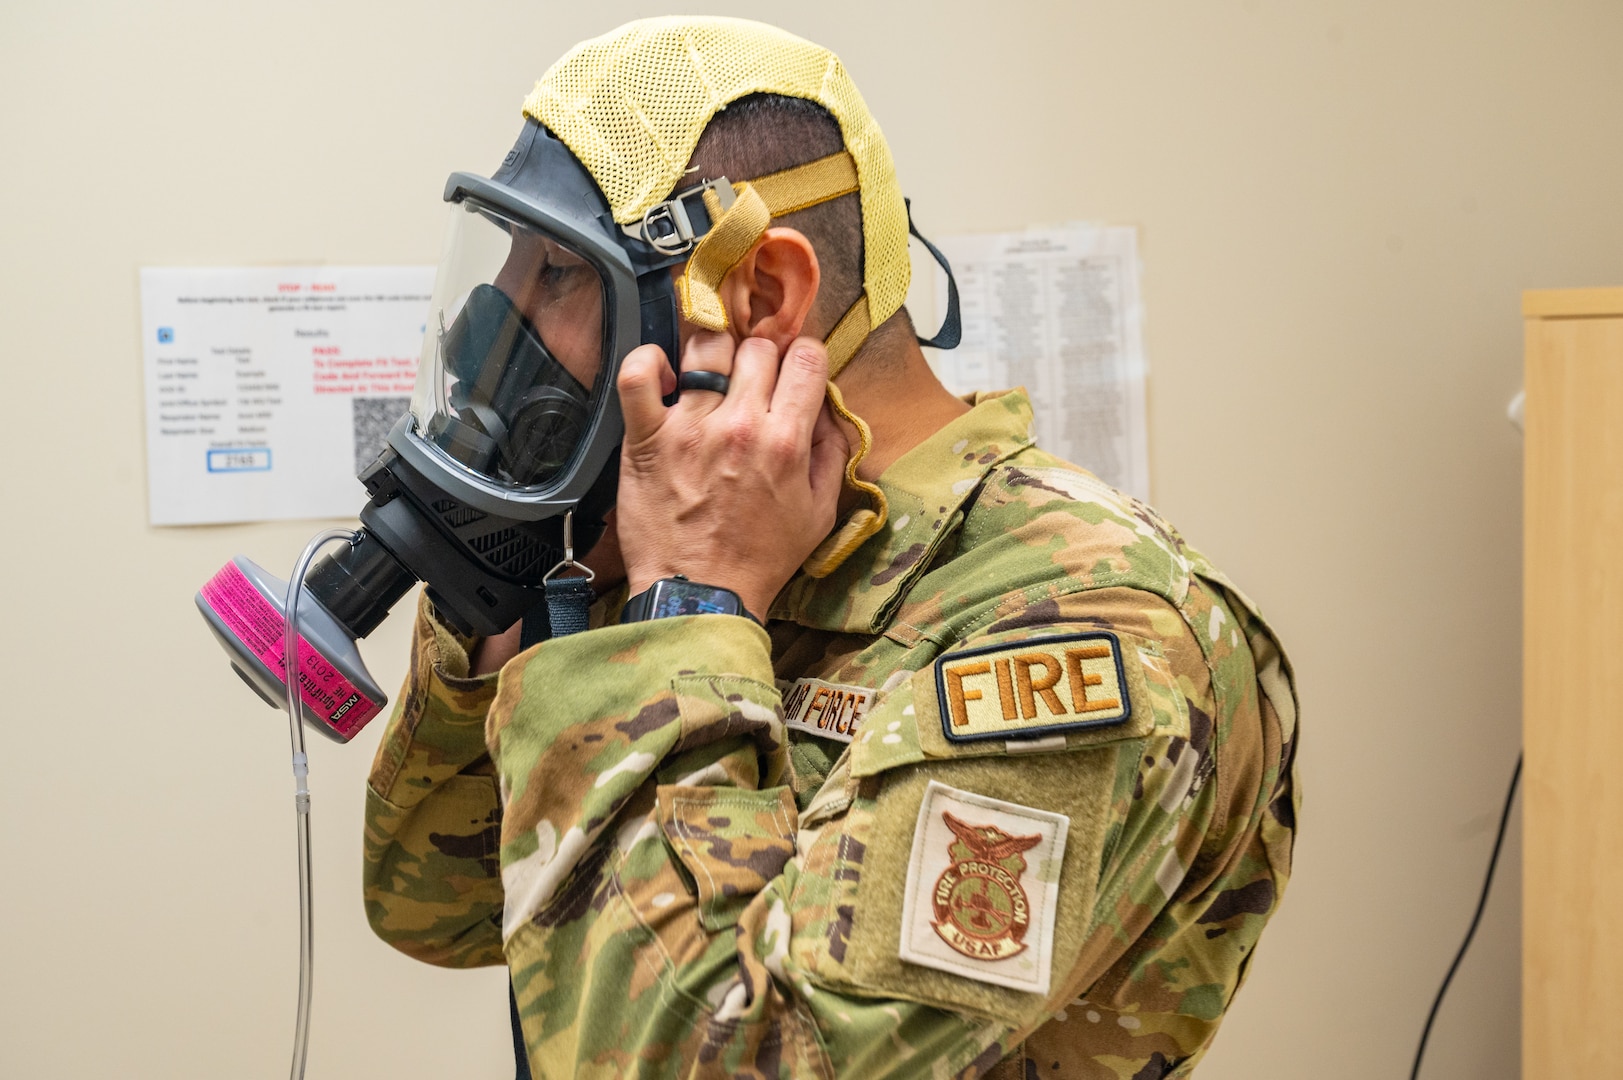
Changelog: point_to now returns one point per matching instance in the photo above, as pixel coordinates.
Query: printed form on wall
(1057, 311)
(269, 388)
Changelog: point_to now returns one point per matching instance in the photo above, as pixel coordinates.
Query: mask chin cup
(517, 406)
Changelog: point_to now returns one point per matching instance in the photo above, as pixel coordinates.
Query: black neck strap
(952, 327)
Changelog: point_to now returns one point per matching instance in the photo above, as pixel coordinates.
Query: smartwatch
(672, 596)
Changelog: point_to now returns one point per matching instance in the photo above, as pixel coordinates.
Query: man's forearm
(433, 816)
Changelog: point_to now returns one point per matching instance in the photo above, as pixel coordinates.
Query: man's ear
(770, 292)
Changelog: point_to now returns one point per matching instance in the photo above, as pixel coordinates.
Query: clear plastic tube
(301, 792)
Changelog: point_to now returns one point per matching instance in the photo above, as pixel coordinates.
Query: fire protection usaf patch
(1032, 688)
(982, 883)
(981, 909)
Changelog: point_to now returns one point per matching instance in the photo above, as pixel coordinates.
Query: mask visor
(507, 387)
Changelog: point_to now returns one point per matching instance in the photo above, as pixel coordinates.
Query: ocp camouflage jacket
(1063, 816)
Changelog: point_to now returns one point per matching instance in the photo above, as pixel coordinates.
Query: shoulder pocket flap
(731, 841)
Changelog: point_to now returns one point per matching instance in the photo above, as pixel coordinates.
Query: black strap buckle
(675, 225)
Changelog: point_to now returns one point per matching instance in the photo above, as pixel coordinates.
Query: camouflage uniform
(681, 885)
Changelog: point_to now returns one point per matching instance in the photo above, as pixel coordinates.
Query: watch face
(689, 598)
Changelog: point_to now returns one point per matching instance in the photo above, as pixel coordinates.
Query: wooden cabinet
(1572, 715)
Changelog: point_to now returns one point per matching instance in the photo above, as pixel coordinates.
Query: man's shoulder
(1037, 516)
(1054, 543)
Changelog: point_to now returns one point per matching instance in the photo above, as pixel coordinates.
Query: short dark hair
(767, 133)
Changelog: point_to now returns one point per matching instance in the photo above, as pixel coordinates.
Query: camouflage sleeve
(1196, 851)
(432, 814)
(669, 911)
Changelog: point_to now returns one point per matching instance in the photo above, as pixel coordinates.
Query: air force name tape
(827, 710)
(1030, 688)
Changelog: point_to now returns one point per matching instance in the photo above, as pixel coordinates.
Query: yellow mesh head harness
(631, 106)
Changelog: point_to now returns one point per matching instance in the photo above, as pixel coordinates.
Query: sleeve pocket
(731, 841)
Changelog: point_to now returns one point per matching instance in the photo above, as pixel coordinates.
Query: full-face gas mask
(554, 269)
(514, 425)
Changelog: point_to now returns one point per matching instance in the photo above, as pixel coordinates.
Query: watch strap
(641, 607)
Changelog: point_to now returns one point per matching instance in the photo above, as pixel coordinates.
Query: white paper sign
(1057, 311)
(267, 389)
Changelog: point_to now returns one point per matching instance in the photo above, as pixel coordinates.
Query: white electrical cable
(301, 790)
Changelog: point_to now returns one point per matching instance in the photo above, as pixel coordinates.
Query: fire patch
(1031, 688)
(982, 882)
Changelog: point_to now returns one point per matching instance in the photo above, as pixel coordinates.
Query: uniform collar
(927, 488)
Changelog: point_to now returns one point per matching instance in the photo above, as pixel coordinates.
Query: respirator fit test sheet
(268, 388)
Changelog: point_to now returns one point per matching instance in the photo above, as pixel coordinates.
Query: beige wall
(1339, 203)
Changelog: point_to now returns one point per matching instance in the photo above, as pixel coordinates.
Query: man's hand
(732, 491)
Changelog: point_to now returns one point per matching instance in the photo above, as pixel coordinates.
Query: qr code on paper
(374, 416)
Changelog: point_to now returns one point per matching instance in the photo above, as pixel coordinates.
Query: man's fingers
(755, 370)
(706, 351)
(829, 453)
(802, 377)
(645, 377)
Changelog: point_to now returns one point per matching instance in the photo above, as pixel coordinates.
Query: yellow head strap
(733, 232)
(632, 104)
